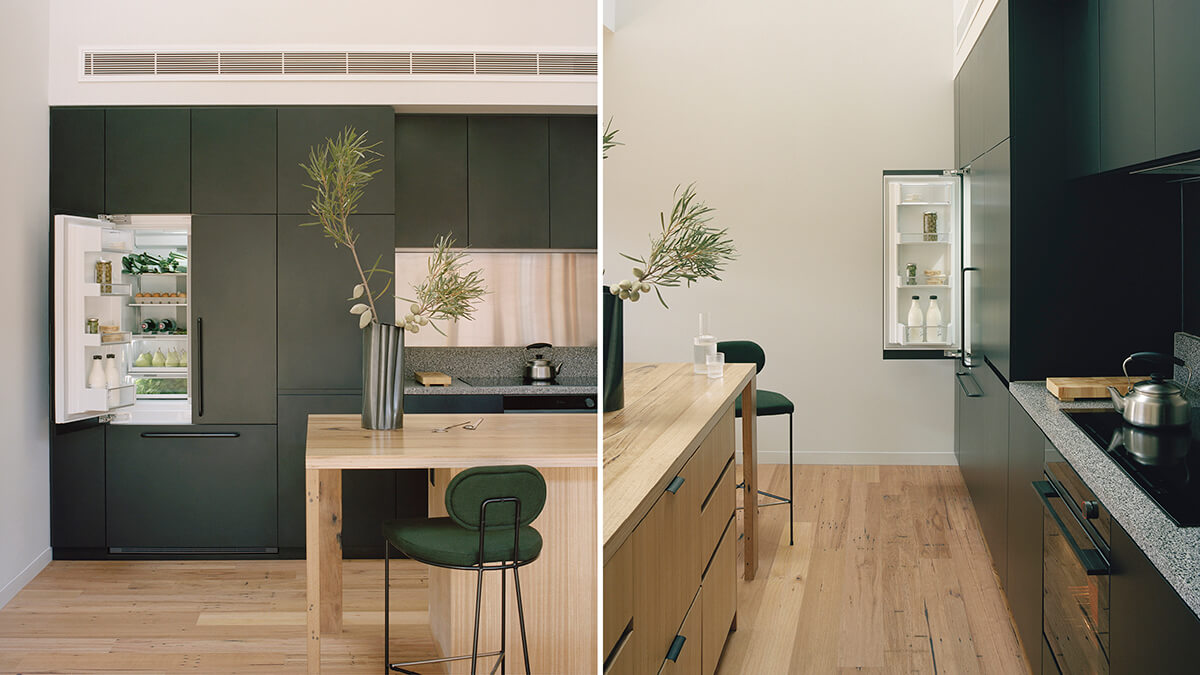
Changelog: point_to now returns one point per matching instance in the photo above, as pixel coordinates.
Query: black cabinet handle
(978, 389)
(199, 367)
(1091, 559)
(676, 647)
(964, 348)
(190, 434)
(676, 483)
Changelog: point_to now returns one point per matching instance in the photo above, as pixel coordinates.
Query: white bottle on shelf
(111, 377)
(702, 345)
(934, 330)
(96, 378)
(916, 320)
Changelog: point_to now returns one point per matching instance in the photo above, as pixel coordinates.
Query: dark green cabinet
(77, 161)
(233, 160)
(990, 286)
(1176, 73)
(77, 486)
(982, 87)
(1127, 107)
(147, 165)
(983, 456)
(1151, 629)
(573, 143)
(233, 319)
(320, 343)
(1026, 457)
(1081, 87)
(431, 179)
(198, 488)
(508, 177)
(302, 128)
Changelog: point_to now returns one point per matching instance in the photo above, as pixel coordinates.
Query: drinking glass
(716, 364)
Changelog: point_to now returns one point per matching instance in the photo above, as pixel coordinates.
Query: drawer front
(618, 596)
(714, 451)
(719, 591)
(666, 570)
(211, 487)
(715, 514)
(686, 657)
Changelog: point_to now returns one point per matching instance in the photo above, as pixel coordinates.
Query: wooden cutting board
(1071, 388)
(432, 378)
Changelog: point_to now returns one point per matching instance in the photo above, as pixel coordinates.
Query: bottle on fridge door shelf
(111, 376)
(934, 331)
(96, 378)
(702, 345)
(916, 321)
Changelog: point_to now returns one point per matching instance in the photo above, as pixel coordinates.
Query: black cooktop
(562, 381)
(1165, 463)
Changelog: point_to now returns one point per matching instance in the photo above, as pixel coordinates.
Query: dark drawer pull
(676, 647)
(1091, 559)
(978, 389)
(676, 483)
(190, 434)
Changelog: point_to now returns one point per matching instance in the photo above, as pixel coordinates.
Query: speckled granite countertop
(1174, 550)
(458, 387)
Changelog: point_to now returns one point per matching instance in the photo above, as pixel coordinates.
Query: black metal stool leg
(521, 617)
(791, 488)
(503, 622)
(387, 619)
(475, 639)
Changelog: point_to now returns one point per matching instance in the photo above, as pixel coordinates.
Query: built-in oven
(1075, 573)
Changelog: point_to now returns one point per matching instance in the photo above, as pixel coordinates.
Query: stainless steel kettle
(1157, 402)
(539, 369)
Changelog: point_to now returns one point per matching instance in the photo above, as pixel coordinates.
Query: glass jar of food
(93, 325)
(104, 275)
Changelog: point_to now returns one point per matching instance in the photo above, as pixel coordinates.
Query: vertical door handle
(199, 367)
(965, 347)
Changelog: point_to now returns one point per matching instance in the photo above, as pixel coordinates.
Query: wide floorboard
(205, 617)
(889, 574)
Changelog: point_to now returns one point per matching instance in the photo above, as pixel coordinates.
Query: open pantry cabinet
(121, 294)
(923, 226)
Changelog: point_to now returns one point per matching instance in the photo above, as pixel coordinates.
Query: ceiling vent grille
(301, 64)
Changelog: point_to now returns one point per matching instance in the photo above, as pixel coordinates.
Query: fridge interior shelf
(922, 332)
(923, 238)
(160, 274)
(106, 339)
(924, 203)
(108, 397)
(922, 286)
(107, 290)
(162, 371)
(158, 304)
(160, 336)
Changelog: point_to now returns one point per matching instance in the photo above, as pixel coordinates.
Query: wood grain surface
(1072, 388)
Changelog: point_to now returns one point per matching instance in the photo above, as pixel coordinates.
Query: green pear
(159, 359)
(172, 359)
(183, 357)
(143, 360)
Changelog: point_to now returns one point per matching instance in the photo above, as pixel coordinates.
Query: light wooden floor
(889, 574)
(204, 617)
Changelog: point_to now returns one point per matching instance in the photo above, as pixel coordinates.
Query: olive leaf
(364, 319)
(359, 309)
(358, 291)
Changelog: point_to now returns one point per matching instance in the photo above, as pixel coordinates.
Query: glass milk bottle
(96, 379)
(915, 331)
(702, 345)
(934, 331)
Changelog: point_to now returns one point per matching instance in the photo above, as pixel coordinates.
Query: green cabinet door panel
(77, 485)
(1026, 456)
(77, 161)
(1127, 106)
(320, 343)
(233, 307)
(1081, 82)
(508, 168)
(573, 153)
(301, 128)
(1176, 76)
(431, 179)
(147, 165)
(233, 160)
(983, 90)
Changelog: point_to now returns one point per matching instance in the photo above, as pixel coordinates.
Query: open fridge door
(922, 263)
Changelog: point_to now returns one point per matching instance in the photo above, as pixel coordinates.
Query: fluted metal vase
(614, 351)
(383, 377)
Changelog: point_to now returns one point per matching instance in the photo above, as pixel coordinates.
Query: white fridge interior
(137, 313)
(922, 260)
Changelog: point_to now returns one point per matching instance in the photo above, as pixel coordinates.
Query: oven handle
(1091, 559)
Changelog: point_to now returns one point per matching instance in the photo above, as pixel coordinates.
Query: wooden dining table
(558, 589)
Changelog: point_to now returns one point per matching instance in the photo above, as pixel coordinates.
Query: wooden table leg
(323, 540)
(750, 476)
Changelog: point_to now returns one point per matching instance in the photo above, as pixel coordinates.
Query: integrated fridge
(122, 352)
(925, 227)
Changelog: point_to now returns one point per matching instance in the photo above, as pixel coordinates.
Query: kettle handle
(1155, 357)
(539, 345)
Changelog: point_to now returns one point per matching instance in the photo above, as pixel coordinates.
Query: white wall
(786, 114)
(385, 24)
(24, 191)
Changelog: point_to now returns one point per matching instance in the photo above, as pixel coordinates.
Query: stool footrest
(399, 667)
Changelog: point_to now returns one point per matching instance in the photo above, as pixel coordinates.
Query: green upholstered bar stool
(488, 529)
(768, 403)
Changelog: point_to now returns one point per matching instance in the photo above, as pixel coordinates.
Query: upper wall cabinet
(573, 148)
(233, 160)
(146, 160)
(508, 179)
(431, 179)
(77, 161)
(302, 128)
(1127, 86)
(1176, 74)
(983, 90)
(1081, 87)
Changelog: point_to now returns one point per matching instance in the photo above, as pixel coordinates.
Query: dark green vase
(613, 351)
